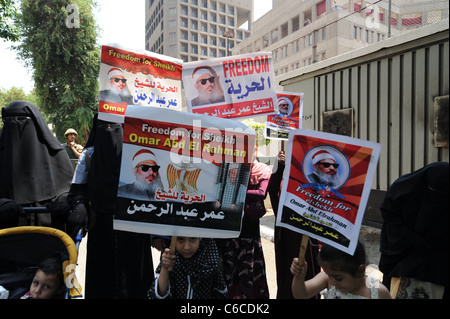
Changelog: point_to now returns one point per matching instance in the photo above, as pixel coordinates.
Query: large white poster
(183, 174)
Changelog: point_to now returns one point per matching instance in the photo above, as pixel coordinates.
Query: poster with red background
(327, 183)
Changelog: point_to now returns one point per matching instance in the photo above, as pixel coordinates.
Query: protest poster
(326, 186)
(137, 77)
(288, 118)
(232, 87)
(183, 174)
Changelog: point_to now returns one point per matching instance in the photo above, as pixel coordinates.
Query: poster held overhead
(288, 118)
(137, 77)
(231, 87)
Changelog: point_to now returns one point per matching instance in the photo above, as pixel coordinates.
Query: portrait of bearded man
(325, 169)
(118, 91)
(207, 84)
(147, 178)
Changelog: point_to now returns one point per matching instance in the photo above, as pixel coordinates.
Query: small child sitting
(195, 274)
(343, 277)
(48, 282)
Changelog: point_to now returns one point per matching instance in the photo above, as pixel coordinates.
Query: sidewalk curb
(266, 233)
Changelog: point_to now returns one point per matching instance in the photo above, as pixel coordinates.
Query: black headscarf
(34, 167)
(415, 233)
(104, 170)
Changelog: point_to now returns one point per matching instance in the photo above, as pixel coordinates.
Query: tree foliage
(59, 44)
(259, 129)
(8, 16)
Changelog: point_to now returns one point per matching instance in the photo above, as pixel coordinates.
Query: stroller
(23, 248)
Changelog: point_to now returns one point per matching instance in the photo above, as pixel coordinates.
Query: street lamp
(228, 34)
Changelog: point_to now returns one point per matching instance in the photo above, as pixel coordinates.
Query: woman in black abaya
(34, 168)
(415, 234)
(118, 264)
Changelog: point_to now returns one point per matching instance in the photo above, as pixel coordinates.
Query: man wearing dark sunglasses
(325, 169)
(207, 84)
(118, 92)
(147, 178)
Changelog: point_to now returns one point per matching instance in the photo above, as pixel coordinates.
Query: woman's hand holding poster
(326, 186)
(183, 174)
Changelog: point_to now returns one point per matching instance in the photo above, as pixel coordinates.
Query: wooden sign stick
(301, 253)
(173, 242)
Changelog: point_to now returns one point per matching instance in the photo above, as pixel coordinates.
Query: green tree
(8, 16)
(259, 129)
(59, 44)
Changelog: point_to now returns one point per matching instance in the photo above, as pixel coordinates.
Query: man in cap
(325, 169)
(147, 178)
(73, 149)
(208, 86)
(118, 92)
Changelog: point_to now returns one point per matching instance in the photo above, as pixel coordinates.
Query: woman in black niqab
(118, 264)
(415, 235)
(34, 167)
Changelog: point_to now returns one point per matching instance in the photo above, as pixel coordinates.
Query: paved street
(268, 248)
(369, 236)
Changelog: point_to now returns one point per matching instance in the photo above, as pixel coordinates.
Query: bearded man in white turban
(147, 178)
(118, 92)
(208, 86)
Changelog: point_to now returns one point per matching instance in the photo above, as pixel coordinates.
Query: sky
(120, 23)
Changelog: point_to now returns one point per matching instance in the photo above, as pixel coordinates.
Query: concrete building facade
(300, 33)
(193, 30)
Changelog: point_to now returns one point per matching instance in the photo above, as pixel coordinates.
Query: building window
(295, 23)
